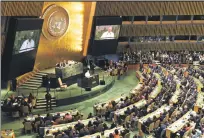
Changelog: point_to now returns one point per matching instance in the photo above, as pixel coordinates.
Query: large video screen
(21, 46)
(107, 32)
(26, 41)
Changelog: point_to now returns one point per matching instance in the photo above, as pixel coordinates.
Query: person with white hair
(108, 34)
(87, 74)
(28, 44)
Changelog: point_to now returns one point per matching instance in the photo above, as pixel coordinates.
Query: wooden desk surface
(10, 134)
(178, 125)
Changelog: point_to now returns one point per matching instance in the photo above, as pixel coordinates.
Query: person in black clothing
(90, 124)
(92, 66)
(48, 100)
(90, 115)
(124, 132)
(48, 117)
(48, 84)
(105, 127)
(30, 98)
(96, 122)
(141, 65)
(57, 133)
(111, 135)
(38, 118)
(57, 116)
(14, 83)
(113, 125)
(79, 126)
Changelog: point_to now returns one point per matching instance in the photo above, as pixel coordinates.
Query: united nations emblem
(56, 22)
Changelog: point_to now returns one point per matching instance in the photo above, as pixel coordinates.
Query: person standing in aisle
(48, 98)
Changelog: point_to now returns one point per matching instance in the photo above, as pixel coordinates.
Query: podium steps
(41, 103)
(34, 83)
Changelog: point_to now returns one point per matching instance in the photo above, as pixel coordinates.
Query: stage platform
(72, 94)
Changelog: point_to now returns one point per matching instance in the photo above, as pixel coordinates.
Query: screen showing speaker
(26, 41)
(107, 32)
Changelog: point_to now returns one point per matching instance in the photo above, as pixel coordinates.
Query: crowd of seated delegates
(184, 107)
(143, 111)
(15, 104)
(121, 66)
(188, 90)
(160, 100)
(163, 56)
(201, 69)
(50, 120)
(81, 130)
(197, 73)
(169, 87)
(150, 83)
(196, 132)
(116, 133)
(112, 105)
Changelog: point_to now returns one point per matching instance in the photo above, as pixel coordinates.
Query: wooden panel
(149, 8)
(90, 10)
(126, 22)
(21, 8)
(153, 22)
(155, 30)
(3, 8)
(36, 9)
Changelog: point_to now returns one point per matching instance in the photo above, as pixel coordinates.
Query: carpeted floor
(122, 86)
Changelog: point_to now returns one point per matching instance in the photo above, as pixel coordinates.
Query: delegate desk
(107, 132)
(105, 104)
(174, 98)
(156, 113)
(155, 92)
(158, 88)
(139, 76)
(72, 112)
(199, 84)
(199, 101)
(7, 134)
(93, 135)
(179, 124)
(139, 104)
(69, 70)
(63, 127)
(91, 82)
(137, 89)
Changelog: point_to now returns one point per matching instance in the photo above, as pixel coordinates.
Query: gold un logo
(56, 22)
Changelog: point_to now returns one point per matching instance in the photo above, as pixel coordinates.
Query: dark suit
(38, 119)
(48, 118)
(48, 98)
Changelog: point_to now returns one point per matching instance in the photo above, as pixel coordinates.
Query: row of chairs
(156, 124)
(99, 128)
(60, 135)
(24, 110)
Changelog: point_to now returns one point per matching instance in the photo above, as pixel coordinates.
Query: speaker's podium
(89, 83)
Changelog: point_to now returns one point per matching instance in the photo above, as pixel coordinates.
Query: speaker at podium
(53, 81)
